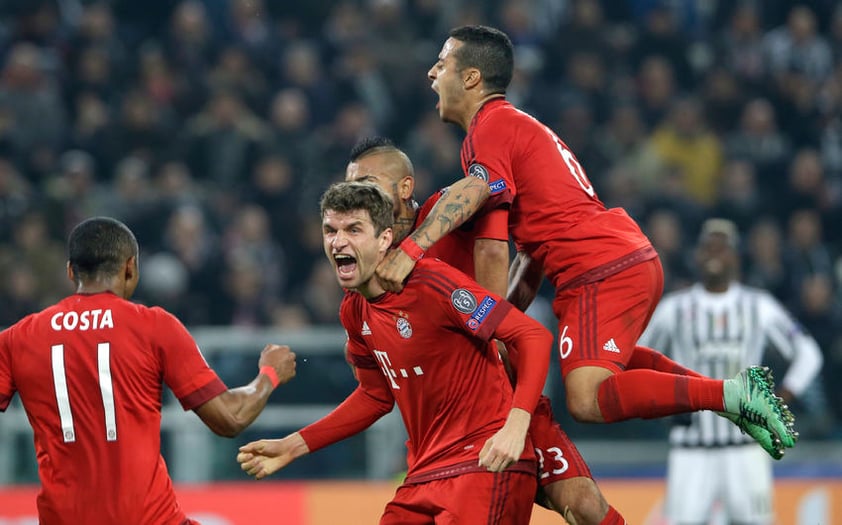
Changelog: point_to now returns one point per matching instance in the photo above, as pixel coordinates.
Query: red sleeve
(368, 403)
(7, 384)
(486, 154)
(465, 303)
(185, 370)
(530, 343)
(493, 225)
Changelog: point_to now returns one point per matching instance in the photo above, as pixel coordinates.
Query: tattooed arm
(462, 199)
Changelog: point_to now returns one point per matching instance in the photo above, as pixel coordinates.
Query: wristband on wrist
(412, 249)
(269, 372)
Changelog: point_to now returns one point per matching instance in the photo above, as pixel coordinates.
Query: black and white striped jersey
(720, 334)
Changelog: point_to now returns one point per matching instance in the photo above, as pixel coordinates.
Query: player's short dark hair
(368, 145)
(100, 246)
(489, 50)
(344, 197)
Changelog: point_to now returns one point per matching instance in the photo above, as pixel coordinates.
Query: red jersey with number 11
(90, 373)
(555, 215)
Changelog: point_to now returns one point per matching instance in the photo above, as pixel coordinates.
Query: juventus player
(718, 327)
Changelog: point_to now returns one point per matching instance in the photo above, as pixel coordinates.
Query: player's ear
(406, 187)
(130, 269)
(386, 239)
(70, 274)
(471, 77)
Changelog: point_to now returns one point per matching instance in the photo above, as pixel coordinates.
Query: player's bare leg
(577, 498)
(581, 386)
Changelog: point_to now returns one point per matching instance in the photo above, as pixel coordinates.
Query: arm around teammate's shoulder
(232, 411)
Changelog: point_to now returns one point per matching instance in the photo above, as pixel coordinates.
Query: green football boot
(750, 396)
(768, 441)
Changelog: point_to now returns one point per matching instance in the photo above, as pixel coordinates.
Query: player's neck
(94, 287)
(717, 286)
(371, 289)
(475, 106)
(405, 222)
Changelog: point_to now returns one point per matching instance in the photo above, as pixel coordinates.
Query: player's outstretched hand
(393, 269)
(267, 456)
(281, 358)
(506, 446)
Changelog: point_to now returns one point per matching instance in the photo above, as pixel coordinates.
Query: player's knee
(582, 387)
(582, 406)
(582, 496)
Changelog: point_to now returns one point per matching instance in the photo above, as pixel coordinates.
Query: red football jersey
(90, 373)
(457, 247)
(431, 343)
(555, 214)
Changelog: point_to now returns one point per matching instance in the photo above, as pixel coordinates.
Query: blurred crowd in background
(211, 127)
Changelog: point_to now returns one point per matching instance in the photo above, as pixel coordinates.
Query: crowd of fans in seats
(211, 127)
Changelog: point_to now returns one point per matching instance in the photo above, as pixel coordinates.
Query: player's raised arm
(462, 199)
(232, 411)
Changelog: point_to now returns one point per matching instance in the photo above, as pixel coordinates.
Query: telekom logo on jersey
(87, 320)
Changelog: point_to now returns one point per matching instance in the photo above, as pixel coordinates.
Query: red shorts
(599, 323)
(476, 498)
(558, 457)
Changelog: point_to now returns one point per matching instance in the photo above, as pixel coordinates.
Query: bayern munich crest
(404, 328)
(463, 300)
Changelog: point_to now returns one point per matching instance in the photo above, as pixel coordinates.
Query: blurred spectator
(581, 31)
(320, 296)
(248, 242)
(31, 97)
(624, 143)
(73, 193)
(235, 72)
(683, 143)
(738, 197)
(722, 96)
(665, 230)
(435, 155)
(190, 238)
(797, 48)
(740, 48)
(656, 89)
(222, 141)
(765, 267)
(15, 198)
(806, 253)
(759, 141)
(660, 37)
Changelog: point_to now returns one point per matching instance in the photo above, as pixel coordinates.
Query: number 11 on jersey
(106, 388)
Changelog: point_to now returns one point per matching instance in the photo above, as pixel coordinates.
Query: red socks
(644, 357)
(651, 394)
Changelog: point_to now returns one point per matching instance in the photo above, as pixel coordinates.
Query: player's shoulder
(350, 304)
(433, 268)
(755, 293)
(672, 298)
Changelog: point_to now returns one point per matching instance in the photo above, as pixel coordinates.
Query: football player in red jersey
(565, 481)
(606, 274)
(429, 349)
(90, 372)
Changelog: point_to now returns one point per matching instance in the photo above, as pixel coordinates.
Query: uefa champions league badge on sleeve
(463, 300)
(478, 171)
